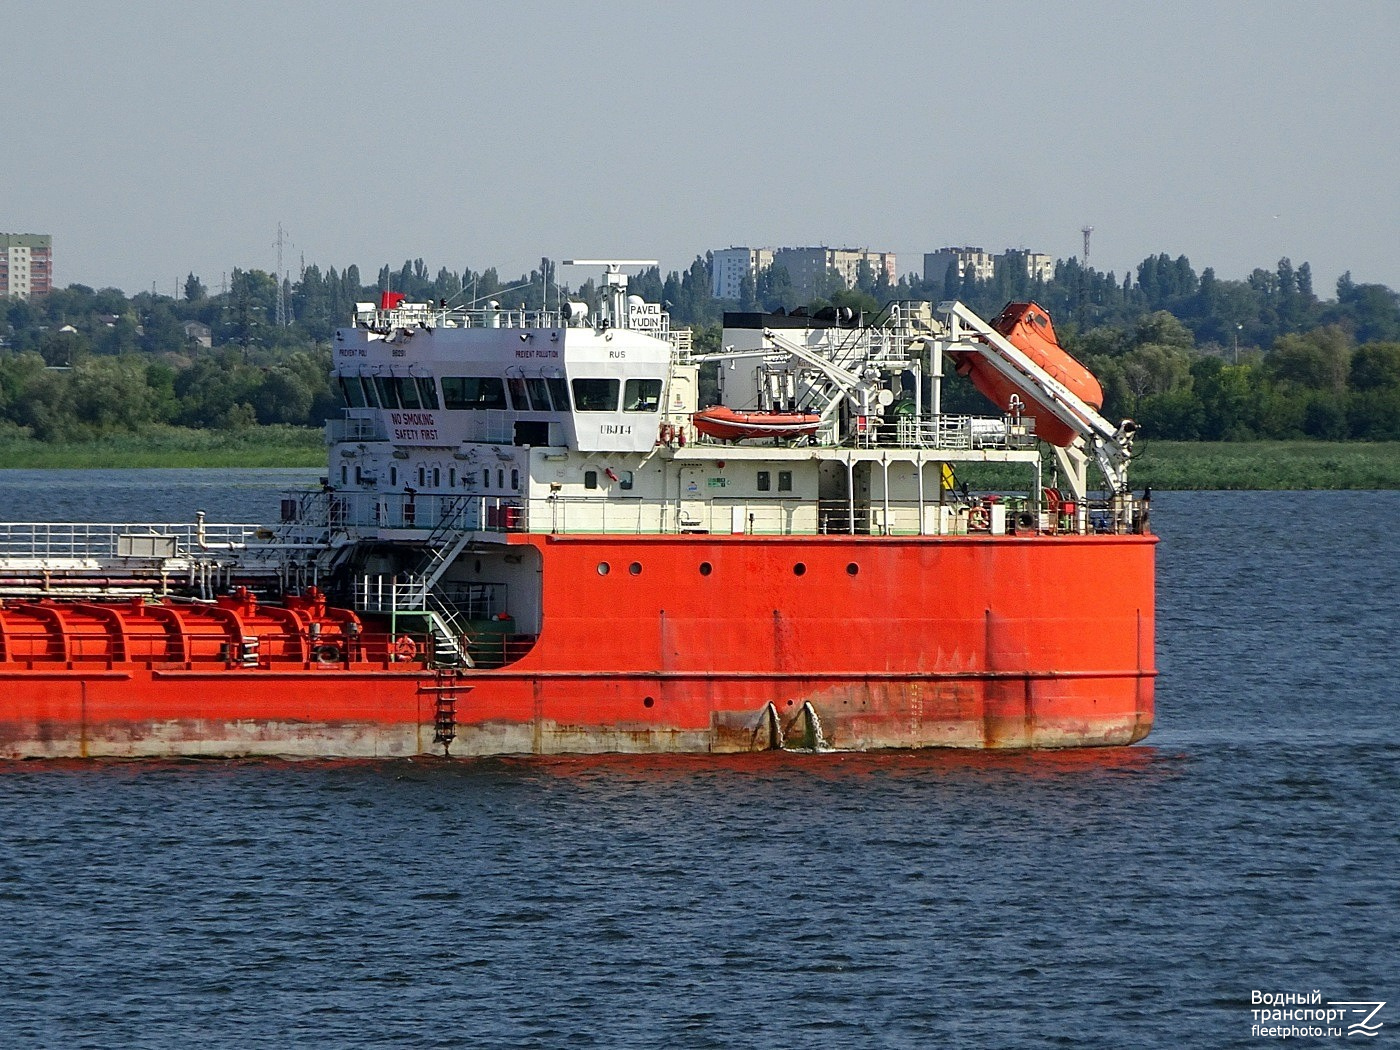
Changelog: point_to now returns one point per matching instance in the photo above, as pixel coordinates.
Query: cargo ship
(537, 535)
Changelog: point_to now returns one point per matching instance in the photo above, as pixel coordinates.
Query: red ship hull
(690, 643)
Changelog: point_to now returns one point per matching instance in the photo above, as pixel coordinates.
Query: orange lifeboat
(728, 424)
(1027, 327)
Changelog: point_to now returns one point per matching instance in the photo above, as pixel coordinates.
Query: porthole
(852, 569)
(799, 569)
(635, 568)
(648, 701)
(706, 568)
(604, 568)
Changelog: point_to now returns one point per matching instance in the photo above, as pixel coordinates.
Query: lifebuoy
(977, 518)
(405, 648)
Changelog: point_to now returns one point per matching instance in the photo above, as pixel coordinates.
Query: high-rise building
(26, 265)
(982, 264)
(729, 266)
(810, 268)
(1039, 266)
(979, 261)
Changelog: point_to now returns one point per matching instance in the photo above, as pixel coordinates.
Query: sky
(156, 139)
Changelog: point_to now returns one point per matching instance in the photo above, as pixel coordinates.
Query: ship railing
(433, 514)
(427, 315)
(945, 513)
(410, 316)
(952, 432)
(581, 514)
(93, 540)
(386, 595)
(353, 429)
(986, 514)
(881, 346)
(40, 646)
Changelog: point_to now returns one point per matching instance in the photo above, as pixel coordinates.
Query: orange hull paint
(849, 642)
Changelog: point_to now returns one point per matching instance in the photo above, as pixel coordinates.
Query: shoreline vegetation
(169, 446)
(1164, 465)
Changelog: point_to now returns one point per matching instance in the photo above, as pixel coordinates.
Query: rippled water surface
(1125, 897)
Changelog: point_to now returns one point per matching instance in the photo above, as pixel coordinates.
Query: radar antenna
(615, 283)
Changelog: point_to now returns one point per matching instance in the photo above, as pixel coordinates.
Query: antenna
(1086, 231)
(614, 283)
(282, 321)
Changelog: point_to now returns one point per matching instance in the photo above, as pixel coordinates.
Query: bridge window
(352, 392)
(465, 392)
(407, 389)
(427, 393)
(539, 394)
(595, 395)
(559, 392)
(398, 392)
(517, 393)
(642, 395)
(386, 389)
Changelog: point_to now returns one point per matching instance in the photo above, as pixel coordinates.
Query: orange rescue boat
(728, 424)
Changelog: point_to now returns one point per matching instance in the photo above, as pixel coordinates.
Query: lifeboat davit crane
(1018, 355)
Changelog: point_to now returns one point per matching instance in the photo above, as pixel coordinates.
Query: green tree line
(1189, 356)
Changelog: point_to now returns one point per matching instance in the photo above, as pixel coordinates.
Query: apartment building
(809, 268)
(729, 266)
(982, 264)
(26, 265)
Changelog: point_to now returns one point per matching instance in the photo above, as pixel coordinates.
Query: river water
(1125, 897)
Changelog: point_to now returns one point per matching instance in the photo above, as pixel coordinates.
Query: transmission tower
(1086, 231)
(281, 293)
